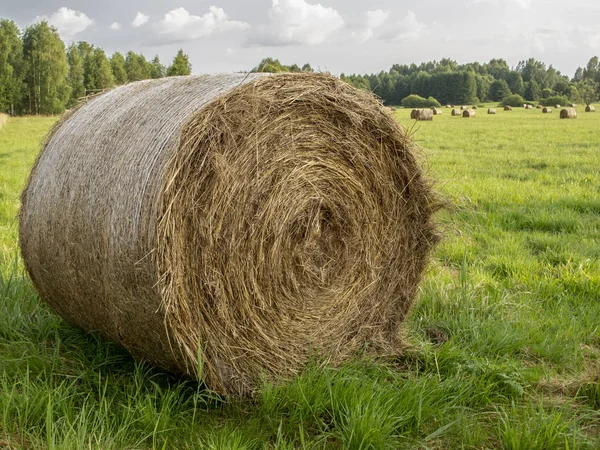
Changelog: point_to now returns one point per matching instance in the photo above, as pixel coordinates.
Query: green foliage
(514, 100)
(271, 65)
(181, 65)
(588, 90)
(499, 90)
(555, 100)
(98, 74)
(11, 63)
(75, 78)
(117, 64)
(45, 70)
(136, 67)
(156, 69)
(532, 90)
(415, 101)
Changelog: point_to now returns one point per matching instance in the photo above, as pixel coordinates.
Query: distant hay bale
(414, 114)
(572, 105)
(468, 113)
(557, 106)
(462, 108)
(508, 108)
(528, 106)
(474, 107)
(539, 107)
(456, 112)
(254, 221)
(437, 112)
(449, 106)
(491, 111)
(568, 113)
(424, 114)
(547, 110)
(590, 108)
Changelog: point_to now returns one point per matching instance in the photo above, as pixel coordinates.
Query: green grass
(505, 338)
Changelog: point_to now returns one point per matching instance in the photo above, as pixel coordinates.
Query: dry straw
(508, 108)
(547, 110)
(254, 221)
(590, 108)
(568, 113)
(468, 113)
(456, 112)
(491, 111)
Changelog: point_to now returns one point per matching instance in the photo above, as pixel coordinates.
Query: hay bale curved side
(254, 221)
(568, 113)
(547, 110)
(491, 111)
(468, 113)
(590, 108)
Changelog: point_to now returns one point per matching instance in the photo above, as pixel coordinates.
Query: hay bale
(456, 112)
(547, 110)
(425, 114)
(491, 111)
(508, 108)
(474, 107)
(539, 107)
(437, 112)
(590, 108)
(568, 113)
(557, 106)
(449, 106)
(572, 105)
(414, 114)
(254, 220)
(468, 113)
(528, 106)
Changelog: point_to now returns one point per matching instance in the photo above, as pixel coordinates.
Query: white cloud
(68, 22)
(408, 29)
(296, 22)
(115, 26)
(140, 19)
(374, 19)
(180, 25)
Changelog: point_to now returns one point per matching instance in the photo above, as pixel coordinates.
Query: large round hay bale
(255, 221)
(590, 108)
(456, 112)
(414, 114)
(491, 111)
(547, 110)
(508, 108)
(424, 114)
(468, 113)
(437, 111)
(568, 113)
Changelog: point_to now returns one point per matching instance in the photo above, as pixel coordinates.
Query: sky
(332, 35)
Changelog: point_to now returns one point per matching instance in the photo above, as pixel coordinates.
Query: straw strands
(255, 221)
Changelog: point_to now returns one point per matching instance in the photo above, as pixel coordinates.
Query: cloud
(296, 22)
(374, 19)
(525, 4)
(408, 29)
(140, 19)
(68, 22)
(115, 26)
(180, 25)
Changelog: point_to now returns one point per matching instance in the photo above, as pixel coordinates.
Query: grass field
(504, 340)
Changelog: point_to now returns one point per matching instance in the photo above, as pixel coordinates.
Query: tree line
(40, 75)
(453, 83)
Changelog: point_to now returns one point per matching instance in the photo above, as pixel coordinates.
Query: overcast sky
(332, 35)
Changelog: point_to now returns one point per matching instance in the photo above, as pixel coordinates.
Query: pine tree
(136, 67)
(157, 70)
(181, 65)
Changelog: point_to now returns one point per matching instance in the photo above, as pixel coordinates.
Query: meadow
(503, 342)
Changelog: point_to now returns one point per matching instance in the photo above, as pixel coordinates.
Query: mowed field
(504, 341)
